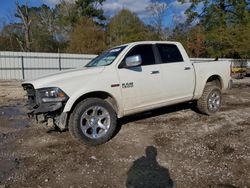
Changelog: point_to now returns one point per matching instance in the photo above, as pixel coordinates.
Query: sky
(175, 11)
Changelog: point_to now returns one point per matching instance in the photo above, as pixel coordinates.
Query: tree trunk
(26, 21)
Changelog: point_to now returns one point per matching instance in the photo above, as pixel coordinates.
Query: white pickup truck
(125, 80)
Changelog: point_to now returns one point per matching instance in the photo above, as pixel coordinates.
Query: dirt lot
(169, 147)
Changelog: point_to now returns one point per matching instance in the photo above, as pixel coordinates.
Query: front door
(141, 85)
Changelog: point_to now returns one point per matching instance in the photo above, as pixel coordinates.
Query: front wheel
(210, 101)
(93, 121)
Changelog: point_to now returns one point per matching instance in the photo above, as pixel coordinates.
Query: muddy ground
(183, 148)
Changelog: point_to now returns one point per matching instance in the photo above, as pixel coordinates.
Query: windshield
(105, 58)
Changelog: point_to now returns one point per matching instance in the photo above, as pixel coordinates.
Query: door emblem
(128, 85)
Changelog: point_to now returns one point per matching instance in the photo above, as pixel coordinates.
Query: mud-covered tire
(210, 101)
(84, 125)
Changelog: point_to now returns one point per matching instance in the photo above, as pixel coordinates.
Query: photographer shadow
(147, 173)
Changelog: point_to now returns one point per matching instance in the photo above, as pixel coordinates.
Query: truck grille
(31, 94)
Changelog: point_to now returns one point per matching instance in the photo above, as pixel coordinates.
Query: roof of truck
(147, 42)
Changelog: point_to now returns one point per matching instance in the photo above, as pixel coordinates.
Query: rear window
(169, 53)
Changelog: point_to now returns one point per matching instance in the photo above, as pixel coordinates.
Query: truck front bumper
(50, 113)
(44, 108)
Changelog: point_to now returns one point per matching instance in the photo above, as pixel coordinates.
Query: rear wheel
(210, 101)
(93, 121)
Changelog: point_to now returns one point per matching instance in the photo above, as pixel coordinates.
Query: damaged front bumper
(60, 121)
(44, 108)
(51, 113)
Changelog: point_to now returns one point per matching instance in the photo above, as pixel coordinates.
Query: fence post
(60, 63)
(23, 75)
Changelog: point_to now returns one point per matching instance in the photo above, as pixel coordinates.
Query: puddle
(13, 117)
(10, 111)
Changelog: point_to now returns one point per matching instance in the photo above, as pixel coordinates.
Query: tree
(36, 30)
(87, 37)
(8, 38)
(126, 27)
(90, 9)
(47, 29)
(43, 29)
(65, 18)
(220, 18)
(222, 12)
(158, 11)
(196, 41)
(68, 14)
(241, 40)
(23, 14)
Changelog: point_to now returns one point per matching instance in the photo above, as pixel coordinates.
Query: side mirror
(133, 61)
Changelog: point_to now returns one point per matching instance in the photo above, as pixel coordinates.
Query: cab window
(146, 53)
(169, 53)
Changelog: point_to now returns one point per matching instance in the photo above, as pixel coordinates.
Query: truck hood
(56, 79)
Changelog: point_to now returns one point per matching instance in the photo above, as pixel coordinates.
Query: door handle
(187, 68)
(155, 72)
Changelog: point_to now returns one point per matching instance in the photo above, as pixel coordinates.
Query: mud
(168, 147)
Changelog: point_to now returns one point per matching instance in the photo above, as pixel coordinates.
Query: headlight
(52, 94)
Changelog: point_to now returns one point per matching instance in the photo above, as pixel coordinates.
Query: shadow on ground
(147, 173)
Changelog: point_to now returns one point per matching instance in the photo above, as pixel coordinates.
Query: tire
(93, 122)
(210, 101)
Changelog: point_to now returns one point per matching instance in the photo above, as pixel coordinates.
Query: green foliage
(8, 37)
(43, 41)
(65, 14)
(42, 29)
(126, 27)
(87, 37)
(196, 41)
(8, 42)
(212, 12)
(50, 29)
(214, 28)
(89, 8)
(226, 26)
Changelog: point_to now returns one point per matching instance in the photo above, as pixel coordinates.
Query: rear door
(141, 85)
(178, 75)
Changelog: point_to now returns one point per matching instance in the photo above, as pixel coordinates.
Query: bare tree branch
(20, 44)
(158, 11)
(26, 21)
